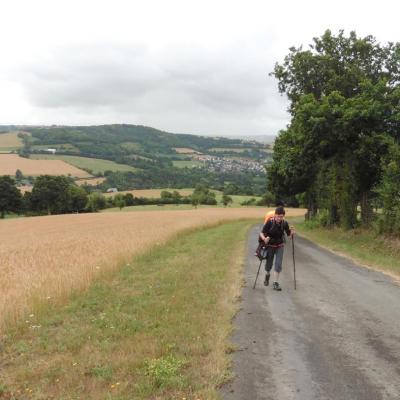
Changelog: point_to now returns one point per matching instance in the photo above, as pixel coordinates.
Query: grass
(96, 165)
(364, 246)
(187, 164)
(157, 329)
(236, 202)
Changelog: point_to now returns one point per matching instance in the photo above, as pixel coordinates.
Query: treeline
(60, 195)
(341, 151)
(245, 183)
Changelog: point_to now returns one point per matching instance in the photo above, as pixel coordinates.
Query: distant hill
(159, 157)
(112, 141)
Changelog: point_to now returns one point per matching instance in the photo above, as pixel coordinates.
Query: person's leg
(278, 267)
(268, 264)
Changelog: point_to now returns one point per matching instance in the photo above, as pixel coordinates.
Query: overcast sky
(182, 66)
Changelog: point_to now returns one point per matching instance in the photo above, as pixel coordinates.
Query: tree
(226, 200)
(119, 201)
(78, 198)
(344, 103)
(389, 192)
(129, 199)
(10, 196)
(203, 195)
(51, 194)
(96, 201)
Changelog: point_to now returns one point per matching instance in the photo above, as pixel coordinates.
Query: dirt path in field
(336, 337)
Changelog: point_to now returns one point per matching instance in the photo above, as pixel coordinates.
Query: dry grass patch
(9, 163)
(46, 258)
(186, 150)
(10, 140)
(24, 189)
(91, 181)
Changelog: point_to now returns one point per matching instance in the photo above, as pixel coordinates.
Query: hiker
(273, 235)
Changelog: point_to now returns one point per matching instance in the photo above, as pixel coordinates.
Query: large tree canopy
(344, 101)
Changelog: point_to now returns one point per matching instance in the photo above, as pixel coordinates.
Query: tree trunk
(366, 210)
(312, 208)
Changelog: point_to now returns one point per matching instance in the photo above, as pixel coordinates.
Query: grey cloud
(178, 89)
(91, 76)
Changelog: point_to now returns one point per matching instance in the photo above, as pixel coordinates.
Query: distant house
(112, 190)
(52, 151)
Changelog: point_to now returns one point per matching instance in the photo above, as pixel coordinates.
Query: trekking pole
(257, 273)
(294, 264)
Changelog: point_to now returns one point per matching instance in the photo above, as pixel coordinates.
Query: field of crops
(9, 163)
(10, 141)
(185, 150)
(46, 258)
(96, 165)
(91, 181)
(188, 164)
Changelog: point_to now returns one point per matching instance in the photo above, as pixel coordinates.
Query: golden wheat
(9, 163)
(45, 258)
(91, 181)
(10, 140)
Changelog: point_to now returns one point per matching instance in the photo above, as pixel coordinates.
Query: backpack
(261, 251)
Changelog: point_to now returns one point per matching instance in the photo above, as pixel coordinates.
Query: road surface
(337, 337)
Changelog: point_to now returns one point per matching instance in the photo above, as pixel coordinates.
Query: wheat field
(46, 258)
(10, 140)
(9, 163)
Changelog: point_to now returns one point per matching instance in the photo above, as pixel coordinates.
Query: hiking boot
(276, 286)
(266, 280)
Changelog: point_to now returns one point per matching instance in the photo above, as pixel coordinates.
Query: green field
(237, 200)
(96, 165)
(187, 164)
(157, 329)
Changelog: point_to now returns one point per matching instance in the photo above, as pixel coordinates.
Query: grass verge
(156, 330)
(363, 246)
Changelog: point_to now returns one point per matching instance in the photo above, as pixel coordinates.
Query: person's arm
(265, 231)
(289, 231)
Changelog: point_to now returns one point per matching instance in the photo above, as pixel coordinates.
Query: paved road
(336, 337)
